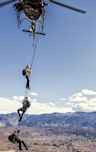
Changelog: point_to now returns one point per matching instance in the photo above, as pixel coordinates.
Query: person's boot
(20, 149)
(27, 87)
(26, 148)
(20, 118)
(24, 145)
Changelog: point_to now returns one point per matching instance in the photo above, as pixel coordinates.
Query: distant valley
(79, 123)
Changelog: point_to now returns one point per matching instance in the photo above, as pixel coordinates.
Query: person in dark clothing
(25, 106)
(14, 139)
(34, 3)
(26, 72)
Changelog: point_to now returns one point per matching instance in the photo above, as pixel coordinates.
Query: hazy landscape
(48, 54)
(51, 133)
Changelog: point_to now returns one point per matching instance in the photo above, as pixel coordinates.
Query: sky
(63, 75)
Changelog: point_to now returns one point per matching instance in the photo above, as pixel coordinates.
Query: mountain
(79, 123)
(80, 119)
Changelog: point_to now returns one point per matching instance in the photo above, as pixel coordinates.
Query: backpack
(26, 104)
(23, 72)
(11, 138)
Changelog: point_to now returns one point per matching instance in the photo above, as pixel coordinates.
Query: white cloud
(81, 107)
(88, 92)
(34, 94)
(51, 104)
(62, 99)
(93, 100)
(12, 104)
(78, 97)
(77, 102)
(39, 108)
(8, 105)
(16, 98)
(85, 107)
(34, 100)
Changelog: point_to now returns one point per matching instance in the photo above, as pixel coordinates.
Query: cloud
(81, 107)
(88, 92)
(34, 94)
(88, 106)
(78, 97)
(51, 104)
(16, 98)
(39, 108)
(34, 100)
(9, 105)
(62, 99)
(85, 107)
(77, 102)
(93, 100)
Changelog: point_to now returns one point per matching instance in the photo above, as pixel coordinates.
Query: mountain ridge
(82, 119)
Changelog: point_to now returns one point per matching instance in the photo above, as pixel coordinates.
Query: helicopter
(34, 11)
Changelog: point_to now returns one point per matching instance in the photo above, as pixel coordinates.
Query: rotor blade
(7, 2)
(67, 6)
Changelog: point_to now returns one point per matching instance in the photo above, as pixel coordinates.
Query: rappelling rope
(34, 52)
(34, 49)
(25, 92)
(32, 60)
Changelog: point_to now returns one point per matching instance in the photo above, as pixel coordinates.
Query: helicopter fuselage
(33, 14)
(33, 9)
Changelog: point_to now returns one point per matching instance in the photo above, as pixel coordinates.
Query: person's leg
(27, 83)
(19, 142)
(23, 111)
(25, 145)
(20, 118)
(18, 111)
(20, 114)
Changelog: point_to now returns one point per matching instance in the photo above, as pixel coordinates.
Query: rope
(32, 60)
(34, 52)
(35, 47)
(25, 92)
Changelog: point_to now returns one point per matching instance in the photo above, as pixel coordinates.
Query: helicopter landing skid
(39, 33)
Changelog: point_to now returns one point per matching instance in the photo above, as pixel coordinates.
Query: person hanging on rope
(14, 139)
(26, 72)
(25, 106)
